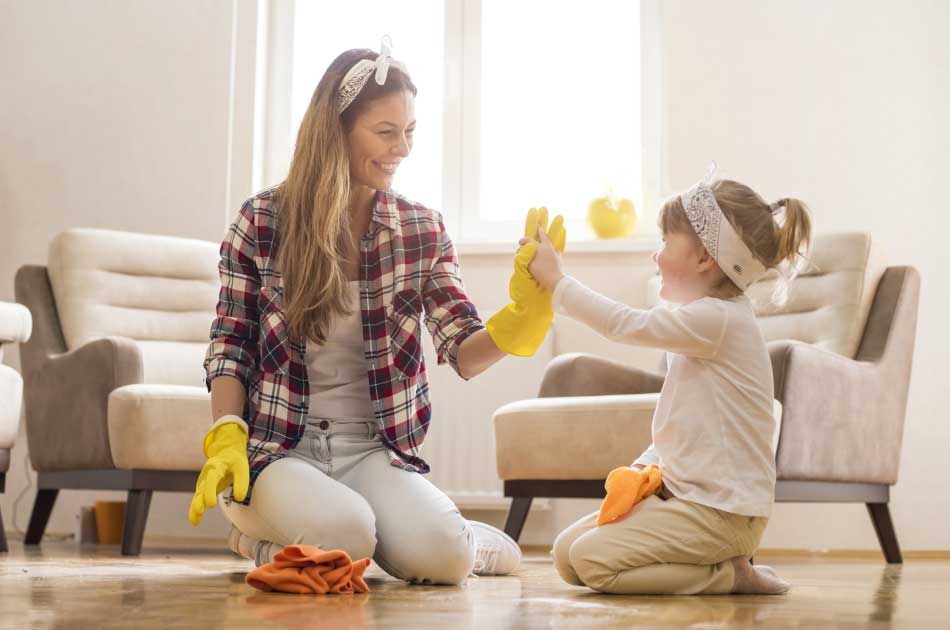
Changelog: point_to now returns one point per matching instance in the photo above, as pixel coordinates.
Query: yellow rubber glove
(225, 446)
(625, 488)
(520, 327)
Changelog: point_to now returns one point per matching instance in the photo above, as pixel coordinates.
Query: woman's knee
(351, 527)
(437, 553)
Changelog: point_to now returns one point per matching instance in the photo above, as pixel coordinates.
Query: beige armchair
(15, 326)
(114, 385)
(841, 353)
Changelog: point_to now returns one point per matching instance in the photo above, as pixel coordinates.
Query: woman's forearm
(227, 397)
(478, 353)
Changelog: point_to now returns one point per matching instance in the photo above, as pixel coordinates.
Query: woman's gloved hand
(625, 488)
(520, 327)
(225, 446)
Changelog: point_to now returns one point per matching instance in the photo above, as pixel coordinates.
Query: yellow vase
(612, 217)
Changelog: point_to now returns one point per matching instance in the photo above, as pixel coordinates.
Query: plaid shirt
(407, 266)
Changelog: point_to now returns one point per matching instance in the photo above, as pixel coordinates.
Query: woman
(315, 367)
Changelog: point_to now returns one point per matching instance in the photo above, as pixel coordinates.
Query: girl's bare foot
(756, 580)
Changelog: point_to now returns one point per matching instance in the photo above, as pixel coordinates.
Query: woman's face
(380, 139)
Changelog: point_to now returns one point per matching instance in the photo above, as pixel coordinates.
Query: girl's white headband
(357, 76)
(717, 234)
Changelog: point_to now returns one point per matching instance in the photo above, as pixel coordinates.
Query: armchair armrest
(842, 419)
(15, 323)
(67, 401)
(577, 437)
(581, 374)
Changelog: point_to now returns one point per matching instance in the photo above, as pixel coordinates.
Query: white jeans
(337, 490)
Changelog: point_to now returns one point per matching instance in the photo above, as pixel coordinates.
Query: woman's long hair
(313, 202)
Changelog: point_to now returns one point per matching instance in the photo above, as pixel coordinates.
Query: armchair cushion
(11, 393)
(158, 427)
(160, 291)
(577, 437)
(15, 323)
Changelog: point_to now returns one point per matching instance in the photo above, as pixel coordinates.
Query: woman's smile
(387, 167)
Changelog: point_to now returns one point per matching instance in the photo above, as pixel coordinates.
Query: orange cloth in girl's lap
(307, 569)
(625, 488)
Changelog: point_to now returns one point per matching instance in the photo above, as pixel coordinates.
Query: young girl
(713, 426)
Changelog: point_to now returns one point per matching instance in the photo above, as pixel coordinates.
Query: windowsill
(634, 245)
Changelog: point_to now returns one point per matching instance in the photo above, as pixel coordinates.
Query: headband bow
(357, 76)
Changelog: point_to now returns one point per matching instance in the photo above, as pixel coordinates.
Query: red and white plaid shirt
(407, 266)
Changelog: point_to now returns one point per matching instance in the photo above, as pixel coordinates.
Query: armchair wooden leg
(517, 515)
(42, 508)
(136, 514)
(884, 528)
(3, 537)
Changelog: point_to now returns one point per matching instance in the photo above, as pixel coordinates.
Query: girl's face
(684, 268)
(380, 139)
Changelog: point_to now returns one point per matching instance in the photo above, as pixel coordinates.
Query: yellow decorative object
(612, 217)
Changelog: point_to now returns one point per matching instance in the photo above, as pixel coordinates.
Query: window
(560, 110)
(520, 104)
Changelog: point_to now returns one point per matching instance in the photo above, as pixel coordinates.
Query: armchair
(114, 385)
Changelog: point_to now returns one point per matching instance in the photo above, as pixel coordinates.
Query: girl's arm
(695, 329)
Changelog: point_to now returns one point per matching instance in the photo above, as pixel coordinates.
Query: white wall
(841, 104)
(112, 115)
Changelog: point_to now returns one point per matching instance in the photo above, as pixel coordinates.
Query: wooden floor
(64, 586)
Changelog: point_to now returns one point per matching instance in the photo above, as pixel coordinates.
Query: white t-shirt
(337, 369)
(714, 423)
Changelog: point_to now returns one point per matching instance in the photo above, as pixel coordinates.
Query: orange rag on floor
(308, 569)
(625, 488)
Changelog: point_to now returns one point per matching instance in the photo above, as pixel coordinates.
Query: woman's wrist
(230, 418)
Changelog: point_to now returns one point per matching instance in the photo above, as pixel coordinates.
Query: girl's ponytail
(794, 233)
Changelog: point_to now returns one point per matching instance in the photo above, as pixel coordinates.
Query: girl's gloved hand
(225, 446)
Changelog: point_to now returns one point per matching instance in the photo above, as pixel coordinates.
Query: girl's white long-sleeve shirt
(713, 425)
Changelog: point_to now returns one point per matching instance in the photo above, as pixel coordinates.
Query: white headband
(717, 234)
(357, 76)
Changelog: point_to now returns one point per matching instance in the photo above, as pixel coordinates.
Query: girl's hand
(546, 266)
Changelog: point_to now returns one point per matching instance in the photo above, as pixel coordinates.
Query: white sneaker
(250, 548)
(496, 553)
(240, 544)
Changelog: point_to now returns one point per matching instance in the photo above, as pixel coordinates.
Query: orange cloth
(308, 569)
(625, 488)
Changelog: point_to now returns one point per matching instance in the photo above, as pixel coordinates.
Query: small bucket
(110, 518)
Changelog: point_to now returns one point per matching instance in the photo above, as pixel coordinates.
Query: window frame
(274, 138)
